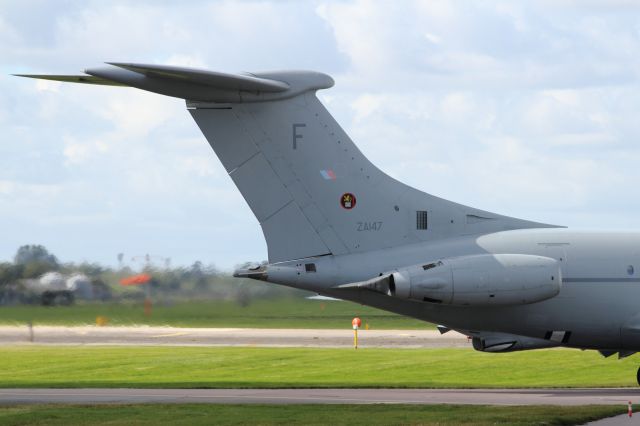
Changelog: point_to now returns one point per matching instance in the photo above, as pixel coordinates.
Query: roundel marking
(347, 201)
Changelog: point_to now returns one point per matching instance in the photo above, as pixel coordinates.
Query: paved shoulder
(623, 419)
(325, 396)
(93, 335)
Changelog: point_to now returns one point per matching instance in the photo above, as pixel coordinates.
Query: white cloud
(10, 188)
(48, 86)
(7, 32)
(458, 106)
(138, 113)
(194, 61)
(76, 152)
(432, 38)
(365, 105)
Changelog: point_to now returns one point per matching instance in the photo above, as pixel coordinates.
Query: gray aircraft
(337, 225)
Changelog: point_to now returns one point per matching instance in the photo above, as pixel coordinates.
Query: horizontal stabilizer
(200, 86)
(86, 79)
(220, 80)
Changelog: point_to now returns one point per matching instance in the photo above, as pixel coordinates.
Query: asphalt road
(621, 420)
(325, 396)
(174, 336)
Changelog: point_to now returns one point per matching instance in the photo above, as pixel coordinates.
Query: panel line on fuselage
(600, 280)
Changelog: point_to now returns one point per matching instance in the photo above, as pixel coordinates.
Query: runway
(323, 396)
(175, 336)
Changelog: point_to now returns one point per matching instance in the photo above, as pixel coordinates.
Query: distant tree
(90, 269)
(196, 269)
(168, 280)
(198, 275)
(35, 260)
(200, 268)
(35, 269)
(101, 291)
(9, 273)
(9, 283)
(211, 269)
(201, 275)
(34, 253)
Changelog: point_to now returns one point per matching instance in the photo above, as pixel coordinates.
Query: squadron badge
(348, 201)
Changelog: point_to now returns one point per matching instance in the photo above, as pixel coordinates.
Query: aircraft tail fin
(312, 190)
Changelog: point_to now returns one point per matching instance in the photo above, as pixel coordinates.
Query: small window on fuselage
(310, 267)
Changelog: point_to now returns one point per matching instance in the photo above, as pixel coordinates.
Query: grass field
(224, 367)
(276, 313)
(200, 414)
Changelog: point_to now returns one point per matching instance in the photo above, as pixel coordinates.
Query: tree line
(198, 280)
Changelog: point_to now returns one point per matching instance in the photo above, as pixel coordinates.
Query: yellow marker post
(355, 323)
(101, 321)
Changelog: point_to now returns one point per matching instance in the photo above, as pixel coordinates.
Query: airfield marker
(355, 323)
(141, 279)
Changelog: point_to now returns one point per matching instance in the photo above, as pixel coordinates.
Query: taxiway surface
(324, 396)
(159, 336)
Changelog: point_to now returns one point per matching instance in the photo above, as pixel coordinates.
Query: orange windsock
(136, 279)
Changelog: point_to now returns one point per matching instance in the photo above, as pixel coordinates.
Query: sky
(528, 109)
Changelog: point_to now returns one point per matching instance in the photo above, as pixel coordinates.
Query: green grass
(277, 313)
(224, 367)
(203, 414)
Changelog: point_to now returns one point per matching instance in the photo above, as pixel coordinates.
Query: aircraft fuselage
(597, 303)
